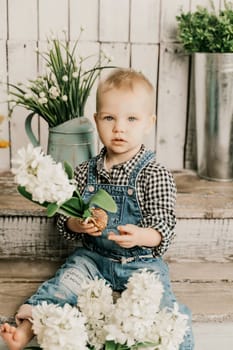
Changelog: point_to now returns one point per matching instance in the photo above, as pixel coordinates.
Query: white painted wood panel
(3, 19)
(148, 11)
(22, 19)
(120, 53)
(169, 10)
(114, 20)
(145, 59)
(4, 125)
(22, 66)
(172, 106)
(84, 13)
(205, 3)
(53, 17)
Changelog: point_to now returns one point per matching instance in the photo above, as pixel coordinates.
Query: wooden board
(191, 284)
(23, 27)
(172, 104)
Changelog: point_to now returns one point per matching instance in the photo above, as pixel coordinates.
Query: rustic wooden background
(138, 33)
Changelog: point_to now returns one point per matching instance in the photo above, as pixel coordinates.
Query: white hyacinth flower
(44, 179)
(60, 328)
(136, 309)
(96, 303)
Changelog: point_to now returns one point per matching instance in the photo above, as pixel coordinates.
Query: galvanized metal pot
(71, 141)
(213, 74)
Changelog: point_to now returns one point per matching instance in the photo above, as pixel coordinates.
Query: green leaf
(52, 208)
(110, 345)
(103, 200)
(69, 170)
(75, 203)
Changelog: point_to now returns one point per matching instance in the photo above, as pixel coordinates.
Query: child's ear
(152, 120)
(95, 116)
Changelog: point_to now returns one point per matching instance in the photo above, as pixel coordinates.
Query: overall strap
(146, 158)
(91, 176)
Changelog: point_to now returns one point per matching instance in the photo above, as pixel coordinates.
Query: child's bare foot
(16, 338)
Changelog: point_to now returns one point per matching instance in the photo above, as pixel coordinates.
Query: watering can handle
(29, 132)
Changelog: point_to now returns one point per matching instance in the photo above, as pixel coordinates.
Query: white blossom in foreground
(59, 328)
(137, 318)
(136, 310)
(96, 303)
(41, 176)
(170, 327)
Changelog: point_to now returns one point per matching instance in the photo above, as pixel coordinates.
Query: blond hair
(125, 78)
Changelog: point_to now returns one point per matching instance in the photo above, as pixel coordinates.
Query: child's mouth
(118, 140)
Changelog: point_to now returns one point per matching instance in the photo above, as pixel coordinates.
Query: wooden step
(200, 257)
(204, 228)
(205, 287)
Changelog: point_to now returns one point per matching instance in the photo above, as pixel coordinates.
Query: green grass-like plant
(62, 92)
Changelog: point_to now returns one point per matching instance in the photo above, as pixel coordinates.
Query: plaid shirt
(155, 189)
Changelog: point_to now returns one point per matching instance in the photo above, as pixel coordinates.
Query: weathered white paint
(53, 17)
(84, 13)
(3, 19)
(25, 27)
(114, 20)
(22, 66)
(169, 10)
(205, 3)
(145, 59)
(148, 11)
(172, 105)
(4, 126)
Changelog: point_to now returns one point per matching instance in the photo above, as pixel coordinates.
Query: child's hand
(129, 236)
(80, 226)
(132, 235)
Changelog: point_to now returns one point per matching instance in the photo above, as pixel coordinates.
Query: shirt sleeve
(159, 199)
(80, 176)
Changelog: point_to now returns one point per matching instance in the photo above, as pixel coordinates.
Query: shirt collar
(126, 166)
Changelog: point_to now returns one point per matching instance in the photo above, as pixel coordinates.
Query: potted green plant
(208, 36)
(59, 96)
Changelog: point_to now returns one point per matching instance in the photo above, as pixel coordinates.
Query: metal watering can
(71, 141)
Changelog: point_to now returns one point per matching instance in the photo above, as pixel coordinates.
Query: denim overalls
(104, 258)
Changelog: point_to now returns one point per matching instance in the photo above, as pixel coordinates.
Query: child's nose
(119, 126)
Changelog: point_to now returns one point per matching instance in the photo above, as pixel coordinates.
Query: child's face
(123, 119)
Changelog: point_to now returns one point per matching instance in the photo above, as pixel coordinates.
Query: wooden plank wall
(137, 33)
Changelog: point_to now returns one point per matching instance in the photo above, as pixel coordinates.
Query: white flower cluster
(41, 176)
(59, 328)
(137, 319)
(136, 310)
(134, 321)
(96, 303)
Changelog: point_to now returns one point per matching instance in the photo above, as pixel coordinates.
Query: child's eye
(108, 117)
(132, 118)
